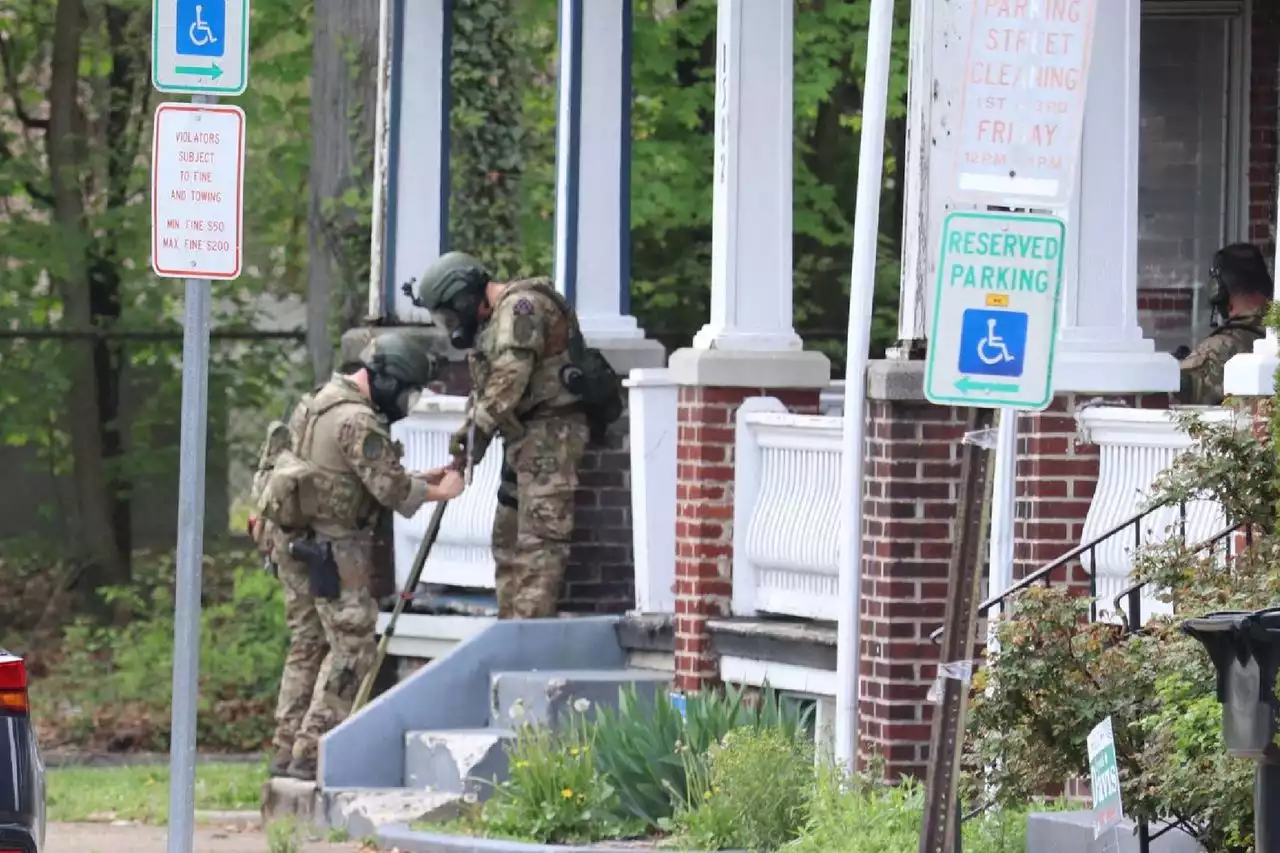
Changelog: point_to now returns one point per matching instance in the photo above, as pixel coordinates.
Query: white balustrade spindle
(1135, 446)
(786, 512)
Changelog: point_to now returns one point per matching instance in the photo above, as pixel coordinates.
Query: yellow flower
(574, 752)
(706, 795)
(567, 793)
(520, 765)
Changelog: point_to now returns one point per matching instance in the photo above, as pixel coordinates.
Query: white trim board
(779, 676)
(420, 635)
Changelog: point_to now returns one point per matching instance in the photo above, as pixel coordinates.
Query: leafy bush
(646, 748)
(866, 815)
(751, 793)
(554, 793)
(1056, 676)
(111, 688)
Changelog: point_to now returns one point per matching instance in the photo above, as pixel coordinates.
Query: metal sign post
(1007, 104)
(197, 234)
(861, 296)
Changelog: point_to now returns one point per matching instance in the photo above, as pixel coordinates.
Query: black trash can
(1245, 650)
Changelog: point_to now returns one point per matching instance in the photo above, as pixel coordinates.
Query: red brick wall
(704, 518)
(913, 474)
(1264, 59)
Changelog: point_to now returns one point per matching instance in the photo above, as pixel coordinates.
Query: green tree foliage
(673, 111)
(76, 109)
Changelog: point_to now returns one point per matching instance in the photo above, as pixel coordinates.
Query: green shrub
(866, 815)
(112, 685)
(751, 793)
(554, 793)
(645, 748)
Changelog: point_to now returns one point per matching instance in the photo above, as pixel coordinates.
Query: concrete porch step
(547, 697)
(360, 811)
(456, 761)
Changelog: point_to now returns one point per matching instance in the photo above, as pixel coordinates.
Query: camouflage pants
(533, 526)
(331, 645)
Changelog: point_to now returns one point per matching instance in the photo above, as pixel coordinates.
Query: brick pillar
(913, 477)
(912, 482)
(601, 573)
(1057, 476)
(704, 517)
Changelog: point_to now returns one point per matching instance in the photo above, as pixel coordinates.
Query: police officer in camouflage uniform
(518, 336)
(341, 431)
(1240, 289)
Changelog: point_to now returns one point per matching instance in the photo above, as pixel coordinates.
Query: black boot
(302, 768)
(280, 761)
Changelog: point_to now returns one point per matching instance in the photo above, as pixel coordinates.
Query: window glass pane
(1183, 93)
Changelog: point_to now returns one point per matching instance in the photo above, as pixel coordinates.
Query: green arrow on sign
(214, 71)
(965, 384)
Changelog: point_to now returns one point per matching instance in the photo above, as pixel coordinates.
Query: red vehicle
(21, 768)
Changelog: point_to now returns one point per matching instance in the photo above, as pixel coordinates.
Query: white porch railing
(461, 556)
(1134, 446)
(786, 519)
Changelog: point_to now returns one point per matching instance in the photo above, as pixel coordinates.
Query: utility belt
(316, 553)
(545, 411)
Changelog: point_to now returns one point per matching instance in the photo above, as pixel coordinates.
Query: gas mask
(462, 322)
(392, 398)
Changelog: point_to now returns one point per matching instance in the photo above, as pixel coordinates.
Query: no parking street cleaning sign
(995, 311)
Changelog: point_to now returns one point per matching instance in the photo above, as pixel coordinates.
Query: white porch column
(751, 227)
(593, 178)
(750, 341)
(1101, 347)
(411, 192)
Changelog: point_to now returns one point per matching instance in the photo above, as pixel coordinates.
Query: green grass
(141, 793)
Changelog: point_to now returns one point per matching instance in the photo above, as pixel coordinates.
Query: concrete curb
(400, 837)
(236, 819)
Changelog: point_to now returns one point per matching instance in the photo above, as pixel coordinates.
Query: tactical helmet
(452, 275)
(397, 356)
(1240, 268)
(399, 368)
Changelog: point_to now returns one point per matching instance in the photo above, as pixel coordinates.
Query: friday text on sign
(1023, 87)
(197, 192)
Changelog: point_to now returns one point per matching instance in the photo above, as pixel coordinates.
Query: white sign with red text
(1022, 101)
(197, 191)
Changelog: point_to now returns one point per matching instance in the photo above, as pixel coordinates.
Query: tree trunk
(343, 92)
(65, 140)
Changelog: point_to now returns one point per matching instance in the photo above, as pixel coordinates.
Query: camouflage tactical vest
(310, 483)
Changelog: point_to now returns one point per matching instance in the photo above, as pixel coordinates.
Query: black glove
(1182, 352)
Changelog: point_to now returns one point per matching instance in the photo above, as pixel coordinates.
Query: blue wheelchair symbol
(202, 27)
(993, 343)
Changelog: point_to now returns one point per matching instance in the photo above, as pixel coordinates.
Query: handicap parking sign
(993, 343)
(202, 27)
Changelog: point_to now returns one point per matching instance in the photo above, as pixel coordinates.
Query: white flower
(517, 709)
(470, 798)
(581, 705)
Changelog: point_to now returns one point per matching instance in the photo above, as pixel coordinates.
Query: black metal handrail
(1044, 573)
(1131, 619)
